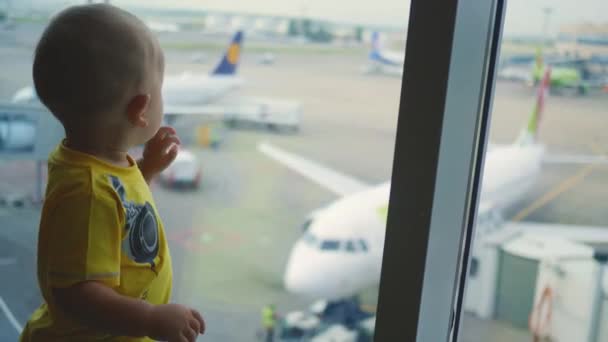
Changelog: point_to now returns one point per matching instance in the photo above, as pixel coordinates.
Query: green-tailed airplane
(567, 74)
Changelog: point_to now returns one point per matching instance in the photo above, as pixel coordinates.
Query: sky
(523, 17)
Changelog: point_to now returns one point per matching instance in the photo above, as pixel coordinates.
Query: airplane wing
(221, 108)
(248, 109)
(207, 111)
(576, 159)
(563, 158)
(577, 233)
(336, 182)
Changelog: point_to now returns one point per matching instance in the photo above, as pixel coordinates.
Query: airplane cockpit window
(362, 245)
(350, 246)
(330, 245)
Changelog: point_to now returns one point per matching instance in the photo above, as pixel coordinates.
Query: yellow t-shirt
(99, 222)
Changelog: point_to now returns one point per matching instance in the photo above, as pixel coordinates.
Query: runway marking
(559, 189)
(9, 315)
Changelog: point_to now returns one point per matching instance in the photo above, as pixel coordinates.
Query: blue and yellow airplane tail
(374, 52)
(530, 132)
(231, 58)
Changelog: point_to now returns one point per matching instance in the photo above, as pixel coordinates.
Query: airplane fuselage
(188, 89)
(387, 62)
(340, 254)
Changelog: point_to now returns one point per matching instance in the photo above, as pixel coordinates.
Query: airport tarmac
(230, 239)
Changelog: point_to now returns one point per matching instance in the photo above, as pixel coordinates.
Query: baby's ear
(136, 110)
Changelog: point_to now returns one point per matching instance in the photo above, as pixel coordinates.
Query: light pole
(547, 11)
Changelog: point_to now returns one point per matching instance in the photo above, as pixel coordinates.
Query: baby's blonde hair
(89, 61)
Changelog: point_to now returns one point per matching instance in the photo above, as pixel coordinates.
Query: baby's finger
(195, 325)
(171, 139)
(171, 154)
(190, 335)
(200, 320)
(166, 130)
(162, 133)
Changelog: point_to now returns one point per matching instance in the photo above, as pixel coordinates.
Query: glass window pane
(541, 219)
(287, 116)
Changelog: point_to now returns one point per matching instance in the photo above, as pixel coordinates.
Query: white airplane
(185, 92)
(384, 61)
(162, 27)
(211, 96)
(340, 252)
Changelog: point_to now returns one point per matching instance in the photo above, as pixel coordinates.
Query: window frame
(443, 127)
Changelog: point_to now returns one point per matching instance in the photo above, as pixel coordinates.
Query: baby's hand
(174, 323)
(159, 152)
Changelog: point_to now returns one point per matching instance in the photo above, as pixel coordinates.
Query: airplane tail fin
(539, 61)
(375, 45)
(231, 58)
(530, 132)
(539, 66)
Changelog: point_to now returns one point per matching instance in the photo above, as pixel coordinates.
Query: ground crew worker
(269, 318)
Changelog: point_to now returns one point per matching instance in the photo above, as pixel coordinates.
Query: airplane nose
(311, 275)
(295, 278)
(291, 280)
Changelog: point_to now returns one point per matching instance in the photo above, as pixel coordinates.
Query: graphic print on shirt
(141, 241)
